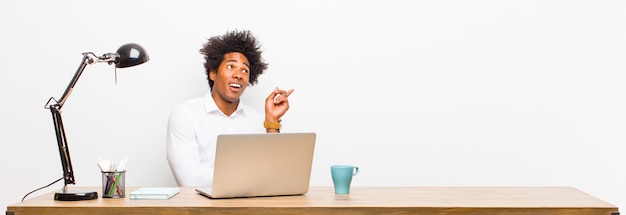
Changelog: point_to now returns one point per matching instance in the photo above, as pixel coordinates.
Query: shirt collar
(211, 107)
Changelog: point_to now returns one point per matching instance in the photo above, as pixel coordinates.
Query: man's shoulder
(190, 105)
(191, 102)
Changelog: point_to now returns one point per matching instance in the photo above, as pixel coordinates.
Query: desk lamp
(126, 56)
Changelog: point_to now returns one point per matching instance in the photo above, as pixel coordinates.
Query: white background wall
(416, 93)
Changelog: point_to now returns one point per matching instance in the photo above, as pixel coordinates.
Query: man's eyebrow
(244, 63)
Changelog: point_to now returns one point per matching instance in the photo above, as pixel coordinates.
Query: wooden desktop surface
(362, 200)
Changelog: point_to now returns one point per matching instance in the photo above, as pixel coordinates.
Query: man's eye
(244, 70)
(229, 66)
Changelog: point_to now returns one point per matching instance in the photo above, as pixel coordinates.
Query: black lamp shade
(131, 54)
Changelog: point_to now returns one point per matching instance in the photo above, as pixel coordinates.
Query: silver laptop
(251, 165)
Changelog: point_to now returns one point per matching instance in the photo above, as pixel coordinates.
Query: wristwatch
(271, 125)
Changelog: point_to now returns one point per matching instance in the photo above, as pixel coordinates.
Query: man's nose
(238, 74)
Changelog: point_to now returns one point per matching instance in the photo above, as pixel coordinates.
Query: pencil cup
(114, 184)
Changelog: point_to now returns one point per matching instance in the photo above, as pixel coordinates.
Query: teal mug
(342, 177)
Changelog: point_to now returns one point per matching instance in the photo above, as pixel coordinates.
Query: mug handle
(356, 171)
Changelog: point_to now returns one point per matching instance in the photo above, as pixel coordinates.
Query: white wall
(416, 93)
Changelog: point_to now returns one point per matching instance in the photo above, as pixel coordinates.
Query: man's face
(232, 77)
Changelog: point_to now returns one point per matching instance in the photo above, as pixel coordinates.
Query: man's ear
(212, 74)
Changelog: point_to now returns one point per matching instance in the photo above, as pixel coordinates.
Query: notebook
(268, 164)
(154, 193)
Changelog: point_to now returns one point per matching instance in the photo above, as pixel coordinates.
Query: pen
(115, 184)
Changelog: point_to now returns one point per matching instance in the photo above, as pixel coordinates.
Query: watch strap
(271, 125)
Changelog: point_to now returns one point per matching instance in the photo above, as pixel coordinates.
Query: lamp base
(75, 196)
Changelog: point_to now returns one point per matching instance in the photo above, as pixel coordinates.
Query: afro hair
(233, 41)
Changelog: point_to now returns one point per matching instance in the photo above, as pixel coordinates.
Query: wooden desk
(362, 200)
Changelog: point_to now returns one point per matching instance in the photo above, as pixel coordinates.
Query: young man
(233, 61)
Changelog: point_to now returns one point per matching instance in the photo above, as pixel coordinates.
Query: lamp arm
(64, 151)
(55, 109)
(86, 60)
